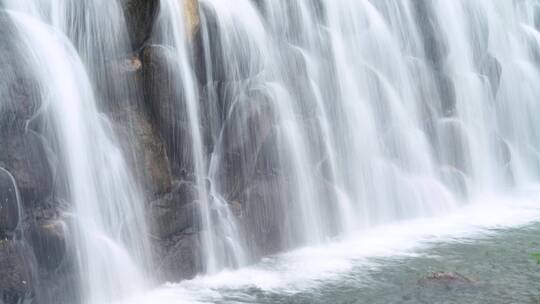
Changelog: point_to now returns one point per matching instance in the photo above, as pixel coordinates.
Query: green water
(500, 264)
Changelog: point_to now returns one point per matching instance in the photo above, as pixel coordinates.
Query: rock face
(246, 130)
(9, 203)
(140, 16)
(174, 212)
(141, 139)
(164, 97)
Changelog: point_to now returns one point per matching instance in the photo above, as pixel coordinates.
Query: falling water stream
(109, 220)
(382, 111)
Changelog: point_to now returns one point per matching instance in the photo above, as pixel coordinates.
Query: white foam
(307, 268)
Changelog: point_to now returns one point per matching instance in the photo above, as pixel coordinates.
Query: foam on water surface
(310, 268)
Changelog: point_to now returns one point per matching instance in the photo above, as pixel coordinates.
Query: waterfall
(219, 237)
(378, 111)
(109, 222)
(276, 124)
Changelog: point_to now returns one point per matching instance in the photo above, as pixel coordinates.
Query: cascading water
(381, 111)
(341, 90)
(219, 237)
(110, 229)
(297, 122)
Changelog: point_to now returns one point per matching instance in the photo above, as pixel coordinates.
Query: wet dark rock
(48, 238)
(248, 133)
(19, 90)
(9, 202)
(149, 155)
(175, 212)
(17, 272)
(220, 58)
(180, 257)
(140, 17)
(171, 220)
(24, 156)
(264, 214)
(164, 96)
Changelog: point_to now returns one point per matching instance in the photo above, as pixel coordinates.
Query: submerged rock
(445, 279)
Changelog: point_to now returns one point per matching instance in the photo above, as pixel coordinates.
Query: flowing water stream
(108, 217)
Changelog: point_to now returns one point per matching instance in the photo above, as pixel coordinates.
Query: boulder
(9, 202)
(17, 272)
(140, 17)
(48, 238)
(24, 156)
(19, 90)
(264, 208)
(248, 134)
